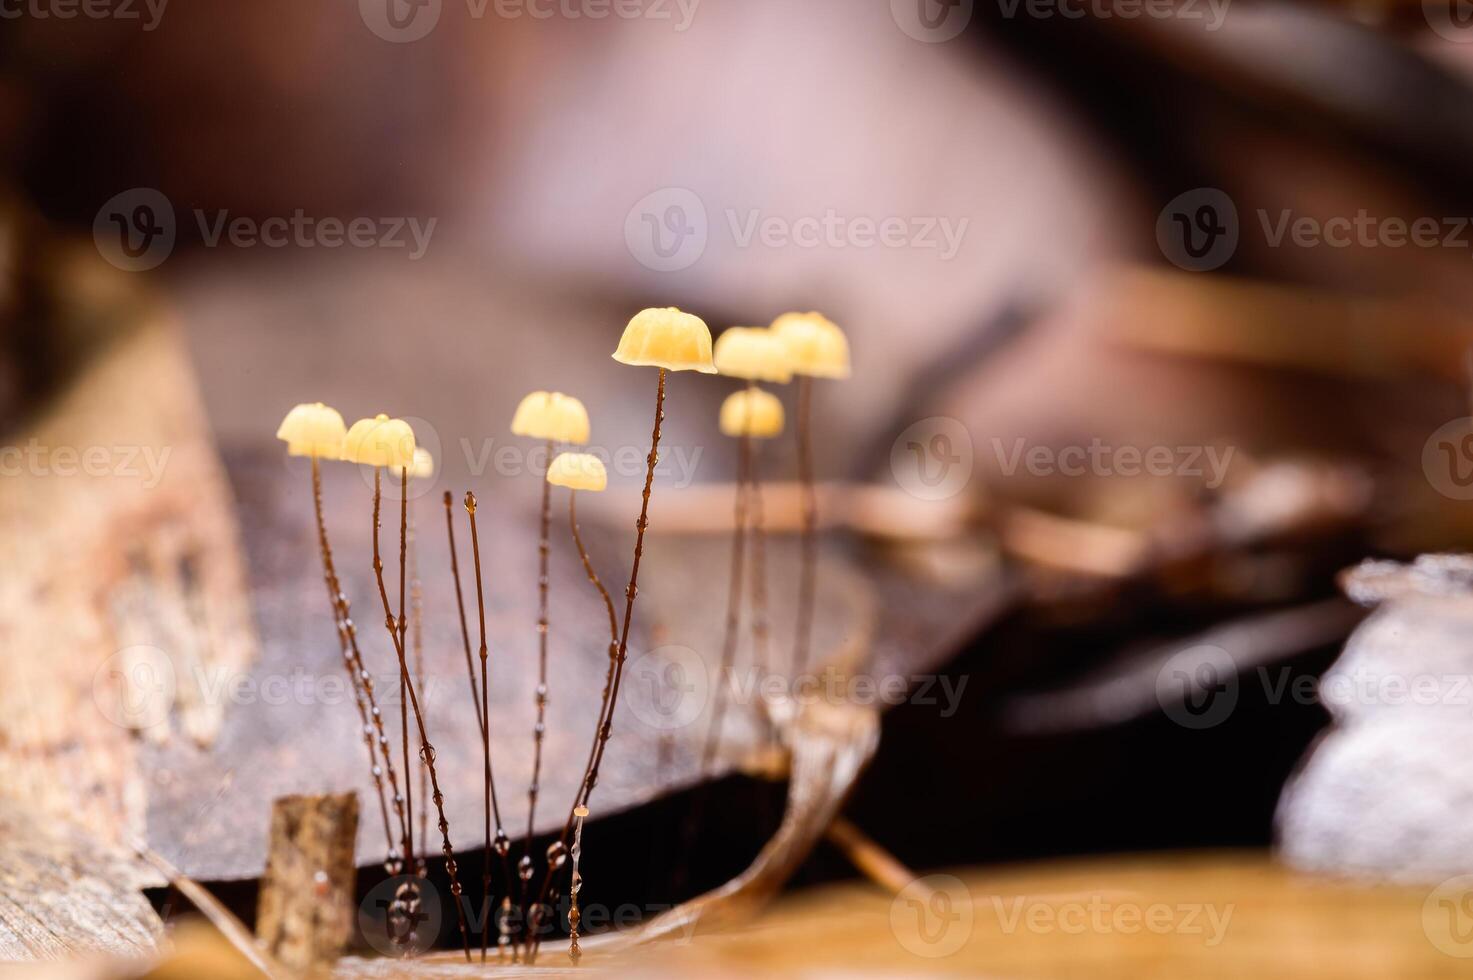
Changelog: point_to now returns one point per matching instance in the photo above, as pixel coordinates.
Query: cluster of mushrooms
(806, 345)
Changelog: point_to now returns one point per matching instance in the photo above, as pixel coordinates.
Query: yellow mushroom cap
(580, 811)
(551, 415)
(755, 412)
(312, 429)
(754, 353)
(578, 471)
(666, 338)
(380, 441)
(816, 347)
(423, 466)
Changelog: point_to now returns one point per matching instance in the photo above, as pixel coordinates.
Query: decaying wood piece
(122, 605)
(305, 913)
(62, 893)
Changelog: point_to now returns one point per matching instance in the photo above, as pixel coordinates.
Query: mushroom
(317, 431)
(753, 354)
(382, 442)
(816, 349)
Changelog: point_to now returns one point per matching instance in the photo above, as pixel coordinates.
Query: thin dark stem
(491, 804)
(760, 651)
(524, 869)
(543, 548)
(630, 591)
(368, 712)
(403, 546)
(427, 750)
(733, 604)
(407, 827)
(416, 627)
(585, 785)
(808, 582)
(465, 635)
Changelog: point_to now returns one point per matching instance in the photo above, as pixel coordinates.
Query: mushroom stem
(407, 828)
(630, 591)
(733, 603)
(761, 654)
(574, 953)
(492, 806)
(363, 697)
(465, 636)
(809, 572)
(585, 786)
(416, 623)
(427, 750)
(525, 868)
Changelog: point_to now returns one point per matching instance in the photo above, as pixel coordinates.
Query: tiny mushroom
(380, 441)
(752, 412)
(313, 429)
(578, 471)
